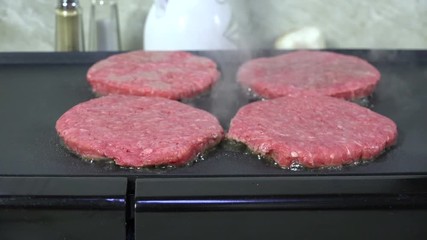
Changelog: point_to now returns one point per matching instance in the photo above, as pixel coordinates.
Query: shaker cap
(68, 4)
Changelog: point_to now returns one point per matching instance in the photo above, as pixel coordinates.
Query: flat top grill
(36, 89)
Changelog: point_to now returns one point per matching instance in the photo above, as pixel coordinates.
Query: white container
(190, 25)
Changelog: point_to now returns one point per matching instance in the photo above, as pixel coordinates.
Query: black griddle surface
(37, 88)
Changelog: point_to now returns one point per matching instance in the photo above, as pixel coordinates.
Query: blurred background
(379, 24)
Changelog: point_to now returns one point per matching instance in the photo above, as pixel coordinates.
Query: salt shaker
(104, 26)
(69, 26)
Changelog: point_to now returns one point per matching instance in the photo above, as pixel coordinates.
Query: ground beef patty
(173, 75)
(314, 131)
(138, 131)
(310, 73)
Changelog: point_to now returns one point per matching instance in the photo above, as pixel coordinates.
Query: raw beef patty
(173, 75)
(138, 131)
(309, 73)
(313, 131)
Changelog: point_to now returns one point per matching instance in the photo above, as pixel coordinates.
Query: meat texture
(138, 131)
(173, 75)
(310, 73)
(312, 131)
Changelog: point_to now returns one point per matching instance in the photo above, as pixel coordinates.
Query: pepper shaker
(69, 26)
